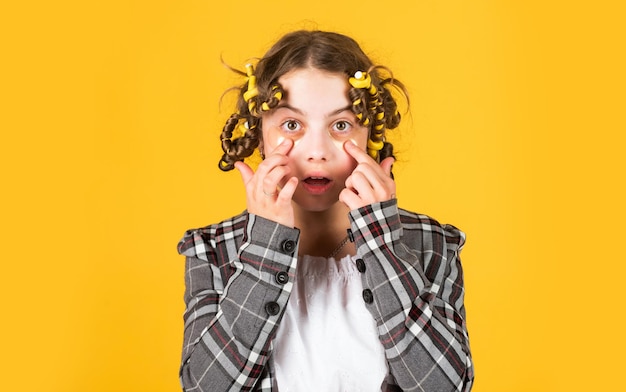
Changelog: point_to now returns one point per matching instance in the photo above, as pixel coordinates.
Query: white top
(327, 339)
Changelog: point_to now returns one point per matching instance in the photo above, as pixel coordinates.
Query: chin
(316, 203)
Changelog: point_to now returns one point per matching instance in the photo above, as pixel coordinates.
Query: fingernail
(280, 140)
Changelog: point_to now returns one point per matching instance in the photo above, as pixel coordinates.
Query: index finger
(284, 147)
(357, 153)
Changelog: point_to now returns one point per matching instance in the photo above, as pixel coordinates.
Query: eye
(291, 126)
(342, 126)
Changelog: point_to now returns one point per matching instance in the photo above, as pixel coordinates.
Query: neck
(321, 232)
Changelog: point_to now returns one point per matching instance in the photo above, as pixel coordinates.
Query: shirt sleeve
(234, 301)
(413, 287)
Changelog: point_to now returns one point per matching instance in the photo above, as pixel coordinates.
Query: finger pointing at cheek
(356, 152)
(370, 182)
(283, 147)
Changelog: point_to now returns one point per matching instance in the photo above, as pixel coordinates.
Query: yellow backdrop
(110, 121)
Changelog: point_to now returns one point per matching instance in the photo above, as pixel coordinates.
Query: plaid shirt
(239, 275)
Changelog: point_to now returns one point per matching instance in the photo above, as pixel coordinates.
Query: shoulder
(430, 232)
(201, 241)
(392, 223)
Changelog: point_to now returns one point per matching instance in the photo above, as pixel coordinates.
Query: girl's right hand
(270, 189)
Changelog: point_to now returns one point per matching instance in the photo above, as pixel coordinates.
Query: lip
(316, 184)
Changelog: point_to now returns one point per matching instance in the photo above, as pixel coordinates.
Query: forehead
(311, 88)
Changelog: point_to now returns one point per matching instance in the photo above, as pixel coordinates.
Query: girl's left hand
(369, 182)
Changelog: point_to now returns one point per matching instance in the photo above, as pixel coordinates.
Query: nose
(317, 144)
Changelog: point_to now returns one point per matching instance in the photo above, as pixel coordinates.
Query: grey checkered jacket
(239, 275)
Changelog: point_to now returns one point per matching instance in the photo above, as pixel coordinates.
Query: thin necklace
(339, 247)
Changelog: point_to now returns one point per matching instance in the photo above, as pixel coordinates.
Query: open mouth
(316, 185)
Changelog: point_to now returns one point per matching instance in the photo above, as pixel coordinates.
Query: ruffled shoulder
(434, 235)
(195, 243)
(454, 236)
(199, 242)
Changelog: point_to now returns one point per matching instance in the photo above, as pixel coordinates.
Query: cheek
(360, 139)
(277, 140)
(345, 161)
(273, 138)
(270, 141)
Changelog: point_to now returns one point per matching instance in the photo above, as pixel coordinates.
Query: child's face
(315, 113)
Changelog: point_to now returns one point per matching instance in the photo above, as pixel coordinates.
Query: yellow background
(110, 119)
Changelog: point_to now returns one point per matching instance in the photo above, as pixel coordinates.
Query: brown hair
(325, 51)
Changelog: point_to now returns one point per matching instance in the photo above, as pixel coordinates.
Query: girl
(323, 283)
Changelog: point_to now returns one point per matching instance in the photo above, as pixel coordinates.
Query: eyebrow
(333, 113)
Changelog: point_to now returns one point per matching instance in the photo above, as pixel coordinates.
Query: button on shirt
(327, 339)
